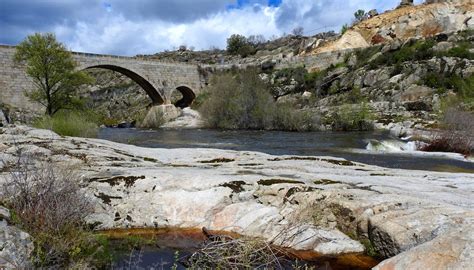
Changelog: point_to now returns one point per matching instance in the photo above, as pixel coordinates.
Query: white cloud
(118, 35)
(116, 27)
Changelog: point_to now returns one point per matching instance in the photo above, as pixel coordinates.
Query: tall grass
(241, 100)
(69, 123)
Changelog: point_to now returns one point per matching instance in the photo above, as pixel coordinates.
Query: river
(348, 145)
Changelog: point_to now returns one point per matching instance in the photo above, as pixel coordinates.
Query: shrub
(420, 50)
(243, 101)
(155, 118)
(352, 118)
(239, 45)
(48, 203)
(456, 136)
(344, 29)
(287, 118)
(69, 123)
(238, 101)
(463, 87)
(462, 50)
(225, 252)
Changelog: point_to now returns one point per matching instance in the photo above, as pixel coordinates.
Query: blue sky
(130, 27)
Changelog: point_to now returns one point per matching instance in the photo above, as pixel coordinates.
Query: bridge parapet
(159, 79)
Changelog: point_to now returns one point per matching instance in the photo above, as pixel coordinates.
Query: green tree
(359, 15)
(239, 45)
(53, 70)
(344, 28)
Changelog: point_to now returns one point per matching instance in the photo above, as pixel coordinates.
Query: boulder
(405, 3)
(373, 13)
(416, 92)
(3, 118)
(452, 250)
(16, 244)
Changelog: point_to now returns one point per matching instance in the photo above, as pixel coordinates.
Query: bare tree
(298, 31)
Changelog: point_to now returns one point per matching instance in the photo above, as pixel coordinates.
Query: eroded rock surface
(309, 203)
(16, 245)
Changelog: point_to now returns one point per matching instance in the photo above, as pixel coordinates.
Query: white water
(407, 148)
(189, 118)
(392, 146)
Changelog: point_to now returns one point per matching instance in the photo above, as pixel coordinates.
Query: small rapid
(188, 118)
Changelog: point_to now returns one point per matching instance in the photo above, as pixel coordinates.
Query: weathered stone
(405, 3)
(443, 46)
(158, 79)
(451, 250)
(17, 246)
(397, 209)
(373, 13)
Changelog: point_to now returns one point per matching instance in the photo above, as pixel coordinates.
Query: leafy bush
(239, 45)
(155, 118)
(352, 118)
(69, 123)
(242, 100)
(287, 118)
(344, 29)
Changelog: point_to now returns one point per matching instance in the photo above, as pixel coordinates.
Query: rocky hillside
(286, 46)
(402, 64)
(404, 23)
(399, 81)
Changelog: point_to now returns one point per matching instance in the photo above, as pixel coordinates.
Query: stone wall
(163, 78)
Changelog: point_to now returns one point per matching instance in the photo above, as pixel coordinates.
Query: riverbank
(328, 205)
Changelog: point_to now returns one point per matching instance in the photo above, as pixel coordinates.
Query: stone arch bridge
(158, 79)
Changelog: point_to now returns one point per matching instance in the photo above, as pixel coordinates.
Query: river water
(348, 145)
(352, 146)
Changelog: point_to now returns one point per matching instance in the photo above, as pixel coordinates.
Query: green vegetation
(155, 118)
(240, 45)
(52, 69)
(344, 29)
(420, 50)
(359, 15)
(242, 100)
(463, 87)
(352, 118)
(69, 123)
(462, 50)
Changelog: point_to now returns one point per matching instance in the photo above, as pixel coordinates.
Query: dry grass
(457, 134)
(48, 203)
(225, 252)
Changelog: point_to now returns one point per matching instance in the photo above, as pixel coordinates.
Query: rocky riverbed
(328, 205)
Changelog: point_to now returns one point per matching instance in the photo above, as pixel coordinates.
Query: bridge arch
(152, 92)
(188, 96)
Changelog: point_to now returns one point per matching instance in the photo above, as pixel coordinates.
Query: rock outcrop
(408, 22)
(309, 203)
(16, 245)
(405, 3)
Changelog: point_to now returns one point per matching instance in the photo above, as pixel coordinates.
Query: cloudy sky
(130, 27)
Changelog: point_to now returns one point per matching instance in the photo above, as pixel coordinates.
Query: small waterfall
(188, 118)
(392, 146)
